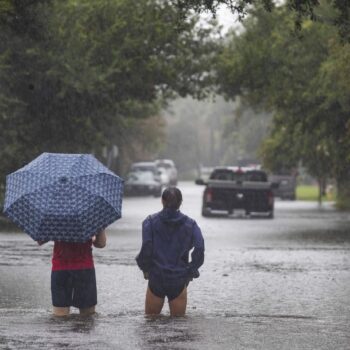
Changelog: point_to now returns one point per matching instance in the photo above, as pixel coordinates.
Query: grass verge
(310, 193)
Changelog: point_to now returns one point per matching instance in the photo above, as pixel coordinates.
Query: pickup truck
(233, 189)
(287, 186)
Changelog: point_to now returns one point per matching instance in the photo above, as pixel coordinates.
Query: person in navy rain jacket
(167, 238)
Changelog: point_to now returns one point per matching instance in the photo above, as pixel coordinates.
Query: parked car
(231, 189)
(204, 173)
(164, 177)
(142, 183)
(170, 168)
(286, 186)
(144, 166)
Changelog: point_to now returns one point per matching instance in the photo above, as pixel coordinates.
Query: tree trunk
(343, 192)
(320, 190)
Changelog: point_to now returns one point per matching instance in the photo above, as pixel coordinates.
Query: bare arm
(100, 240)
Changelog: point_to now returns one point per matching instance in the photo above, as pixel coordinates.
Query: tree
(86, 72)
(333, 82)
(294, 77)
(194, 132)
(300, 9)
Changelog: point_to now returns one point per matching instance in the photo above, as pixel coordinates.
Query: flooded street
(265, 284)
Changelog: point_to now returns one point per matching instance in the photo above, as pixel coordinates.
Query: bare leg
(178, 305)
(60, 311)
(153, 304)
(87, 311)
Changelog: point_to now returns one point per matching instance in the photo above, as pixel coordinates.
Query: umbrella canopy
(63, 197)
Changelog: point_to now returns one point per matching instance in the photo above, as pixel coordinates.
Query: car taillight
(208, 195)
(270, 198)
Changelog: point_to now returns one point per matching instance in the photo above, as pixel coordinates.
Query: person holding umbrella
(69, 199)
(73, 279)
(167, 239)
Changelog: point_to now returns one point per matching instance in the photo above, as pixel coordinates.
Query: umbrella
(63, 197)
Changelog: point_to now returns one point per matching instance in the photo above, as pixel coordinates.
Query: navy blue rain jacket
(167, 239)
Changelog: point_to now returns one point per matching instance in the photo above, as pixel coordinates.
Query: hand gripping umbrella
(63, 197)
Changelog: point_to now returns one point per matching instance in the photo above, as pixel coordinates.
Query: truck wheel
(206, 212)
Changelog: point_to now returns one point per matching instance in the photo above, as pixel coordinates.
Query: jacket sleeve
(144, 258)
(197, 256)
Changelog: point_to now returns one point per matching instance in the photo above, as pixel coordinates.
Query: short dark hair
(172, 198)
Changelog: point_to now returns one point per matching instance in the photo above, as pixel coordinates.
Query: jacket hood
(172, 216)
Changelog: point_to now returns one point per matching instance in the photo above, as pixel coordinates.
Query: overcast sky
(225, 18)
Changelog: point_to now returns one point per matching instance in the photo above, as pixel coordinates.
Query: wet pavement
(266, 284)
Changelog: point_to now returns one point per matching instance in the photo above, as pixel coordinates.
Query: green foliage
(299, 10)
(310, 193)
(303, 80)
(280, 151)
(78, 75)
(243, 131)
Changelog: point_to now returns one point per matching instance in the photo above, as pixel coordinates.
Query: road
(281, 283)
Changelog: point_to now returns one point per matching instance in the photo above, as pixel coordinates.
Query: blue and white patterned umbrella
(63, 197)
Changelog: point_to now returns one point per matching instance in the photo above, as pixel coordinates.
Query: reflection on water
(164, 331)
(23, 252)
(74, 323)
(40, 330)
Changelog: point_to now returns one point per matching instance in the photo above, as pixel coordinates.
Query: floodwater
(265, 284)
